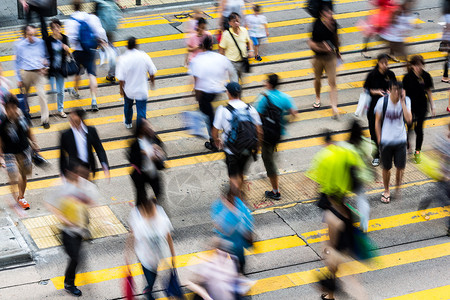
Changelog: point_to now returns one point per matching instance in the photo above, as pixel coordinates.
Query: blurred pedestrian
(392, 111)
(31, 68)
(258, 29)
(77, 143)
(209, 82)
(403, 22)
(151, 239)
(234, 44)
(109, 13)
(271, 106)
(242, 133)
(377, 84)
(85, 33)
(57, 49)
(39, 7)
(233, 223)
(195, 40)
(146, 156)
(133, 70)
(16, 144)
(4, 82)
(325, 45)
(70, 205)
(226, 8)
(418, 85)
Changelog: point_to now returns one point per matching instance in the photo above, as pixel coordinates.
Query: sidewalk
(9, 12)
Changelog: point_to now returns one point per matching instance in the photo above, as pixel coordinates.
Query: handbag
(245, 61)
(38, 160)
(363, 104)
(69, 66)
(174, 287)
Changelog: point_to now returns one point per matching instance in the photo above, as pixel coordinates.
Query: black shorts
(86, 60)
(236, 164)
(396, 152)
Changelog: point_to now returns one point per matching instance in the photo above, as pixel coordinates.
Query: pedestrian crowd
(394, 110)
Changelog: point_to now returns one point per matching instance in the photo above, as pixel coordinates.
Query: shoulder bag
(69, 66)
(244, 59)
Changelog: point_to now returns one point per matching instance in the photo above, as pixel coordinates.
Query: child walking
(257, 29)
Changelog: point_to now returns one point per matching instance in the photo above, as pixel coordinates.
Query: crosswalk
(174, 96)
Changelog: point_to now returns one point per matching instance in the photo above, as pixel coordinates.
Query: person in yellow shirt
(229, 46)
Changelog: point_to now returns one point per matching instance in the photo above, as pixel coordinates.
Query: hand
(44, 71)
(219, 144)
(20, 84)
(327, 46)
(152, 86)
(25, 5)
(66, 48)
(35, 147)
(380, 92)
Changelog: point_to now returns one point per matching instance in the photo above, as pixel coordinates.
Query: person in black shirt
(418, 85)
(377, 84)
(15, 137)
(325, 45)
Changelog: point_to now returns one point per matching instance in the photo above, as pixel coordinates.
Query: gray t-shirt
(393, 130)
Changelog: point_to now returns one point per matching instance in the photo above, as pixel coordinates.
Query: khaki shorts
(325, 63)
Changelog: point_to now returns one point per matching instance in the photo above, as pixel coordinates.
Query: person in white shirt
(131, 71)
(257, 27)
(85, 58)
(242, 133)
(226, 8)
(391, 114)
(209, 82)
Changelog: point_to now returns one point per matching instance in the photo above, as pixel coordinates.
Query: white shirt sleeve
(96, 25)
(263, 19)
(218, 119)
(255, 116)
(119, 70)
(72, 32)
(408, 103)
(379, 106)
(151, 68)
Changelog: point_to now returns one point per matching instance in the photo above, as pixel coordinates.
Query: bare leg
(22, 185)
(317, 86)
(386, 180)
(398, 182)
(333, 100)
(257, 50)
(93, 86)
(274, 181)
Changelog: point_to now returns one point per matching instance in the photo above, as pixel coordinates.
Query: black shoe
(211, 146)
(376, 162)
(258, 58)
(111, 78)
(272, 195)
(94, 107)
(46, 125)
(73, 291)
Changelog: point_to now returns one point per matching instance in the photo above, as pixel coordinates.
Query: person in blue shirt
(275, 126)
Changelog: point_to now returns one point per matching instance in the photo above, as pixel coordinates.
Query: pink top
(194, 41)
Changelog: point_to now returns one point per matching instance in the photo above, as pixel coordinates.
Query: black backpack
(243, 135)
(271, 120)
(313, 7)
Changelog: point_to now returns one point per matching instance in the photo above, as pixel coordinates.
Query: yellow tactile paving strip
(296, 187)
(45, 230)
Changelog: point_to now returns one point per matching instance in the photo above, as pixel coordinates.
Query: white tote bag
(363, 104)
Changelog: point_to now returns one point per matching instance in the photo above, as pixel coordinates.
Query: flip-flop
(317, 104)
(385, 199)
(446, 81)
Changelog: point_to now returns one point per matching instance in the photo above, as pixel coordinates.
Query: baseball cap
(233, 88)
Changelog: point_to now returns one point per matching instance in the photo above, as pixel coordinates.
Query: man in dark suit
(77, 143)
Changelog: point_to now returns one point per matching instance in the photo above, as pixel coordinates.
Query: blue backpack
(242, 135)
(86, 36)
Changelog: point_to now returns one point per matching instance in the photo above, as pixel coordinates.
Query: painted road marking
(164, 112)
(266, 246)
(439, 293)
(210, 157)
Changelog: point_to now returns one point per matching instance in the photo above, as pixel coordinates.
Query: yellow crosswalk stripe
(187, 88)
(260, 247)
(439, 293)
(45, 183)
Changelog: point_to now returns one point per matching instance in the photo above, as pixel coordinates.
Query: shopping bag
(363, 247)
(363, 104)
(128, 286)
(108, 55)
(38, 160)
(195, 122)
(174, 288)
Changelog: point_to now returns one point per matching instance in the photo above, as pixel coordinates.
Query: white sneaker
(129, 126)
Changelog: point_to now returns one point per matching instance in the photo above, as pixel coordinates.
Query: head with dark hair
(144, 128)
(77, 5)
(76, 117)
(55, 26)
(257, 8)
(147, 204)
(29, 31)
(234, 20)
(355, 133)
(207, 43)
(234, 90)
(395, 91)
(54, 22)
(382, 63)
(326, 11)
(131, 43)
(11, 106)
(416, 64)
(272, 81)
(201, 26)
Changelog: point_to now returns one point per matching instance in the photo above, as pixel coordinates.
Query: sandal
(316, 104)
(365, 55)
(385, 199)
(445, 80)
(323, 297)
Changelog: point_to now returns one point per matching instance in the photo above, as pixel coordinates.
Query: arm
(97, 144)
(121, 85)
(221, 50)
(378, 127)
(17, 64)
(406, 111)
(318, 47)
(34, 145)
(215, 136)
(251, 51)
(172, 248)
(266, 26)
(62, 155)
(430, 99)
(260, 133)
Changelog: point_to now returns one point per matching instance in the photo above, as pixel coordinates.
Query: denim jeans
(141, 107)
(58, 80)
